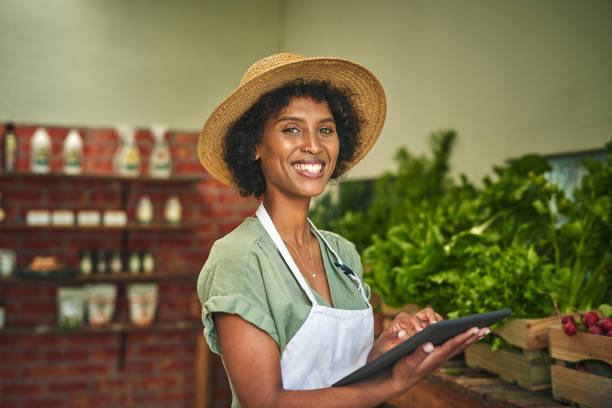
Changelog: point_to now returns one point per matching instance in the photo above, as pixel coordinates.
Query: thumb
(421, 353)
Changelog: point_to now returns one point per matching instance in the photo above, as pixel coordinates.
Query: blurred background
(509, 77)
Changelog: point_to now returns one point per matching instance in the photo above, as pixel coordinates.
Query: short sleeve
(230, 282)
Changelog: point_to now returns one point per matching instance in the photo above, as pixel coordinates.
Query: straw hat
(366, 93)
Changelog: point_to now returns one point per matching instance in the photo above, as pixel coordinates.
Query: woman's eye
(291, 130)
(326, 131)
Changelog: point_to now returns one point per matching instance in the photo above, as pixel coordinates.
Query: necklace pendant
(314, 275)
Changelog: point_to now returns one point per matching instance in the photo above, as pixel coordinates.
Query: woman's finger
(429, 315)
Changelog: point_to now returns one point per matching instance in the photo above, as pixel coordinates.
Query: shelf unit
(22, 227)
(96, 176)
(110, 328)
(125, 186)
(108, 277)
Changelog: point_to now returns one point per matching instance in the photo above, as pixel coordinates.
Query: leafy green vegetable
(515, 242)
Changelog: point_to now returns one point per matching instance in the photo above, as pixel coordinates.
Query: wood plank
(528, 334)
(531, 371)
(582, 346)
(425, 394)
(583, 388)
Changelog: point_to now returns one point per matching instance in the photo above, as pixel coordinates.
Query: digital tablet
(437, 334)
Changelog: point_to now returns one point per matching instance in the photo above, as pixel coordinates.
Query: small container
(100, 262)
(73, 153)
(116, 265)
(148, 263)
(173, 211)
(144, 210)
(86, 266)
(134, 263)
(41, 151)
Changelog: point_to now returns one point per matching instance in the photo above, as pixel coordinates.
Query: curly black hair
(247, 131)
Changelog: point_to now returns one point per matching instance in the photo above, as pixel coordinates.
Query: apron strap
(347, 271)
(268, 225)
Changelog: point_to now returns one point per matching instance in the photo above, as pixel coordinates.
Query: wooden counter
(457, 386)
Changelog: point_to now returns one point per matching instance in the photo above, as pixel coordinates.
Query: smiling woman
(282, 302)
(246, 132)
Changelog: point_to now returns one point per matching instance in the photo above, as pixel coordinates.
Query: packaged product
(70, 306)
(143, 302)
(101, 299)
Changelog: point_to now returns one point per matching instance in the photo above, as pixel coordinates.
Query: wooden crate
(530, 368)
(528, 334)
(579, 387)
(582, 346)
(586, 389)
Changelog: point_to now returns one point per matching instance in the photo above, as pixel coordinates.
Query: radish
(609, 333)
(570, 328)
(566, 319)
(590, 318)
(606, 324)
(594, 329)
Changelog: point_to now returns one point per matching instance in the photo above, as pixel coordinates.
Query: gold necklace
(314, 275)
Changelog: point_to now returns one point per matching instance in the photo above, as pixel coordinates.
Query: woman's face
(299, 148)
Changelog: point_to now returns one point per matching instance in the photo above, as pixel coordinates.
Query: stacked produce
(590, 322)
(517, 241)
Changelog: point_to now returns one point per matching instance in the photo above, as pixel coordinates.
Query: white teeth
(310, 168)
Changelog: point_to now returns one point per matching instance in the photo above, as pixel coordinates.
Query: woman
(282, 302)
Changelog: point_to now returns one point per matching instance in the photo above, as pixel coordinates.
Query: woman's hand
(403, 326)
(414, 367)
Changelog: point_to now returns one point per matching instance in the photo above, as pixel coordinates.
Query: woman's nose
(311, 143)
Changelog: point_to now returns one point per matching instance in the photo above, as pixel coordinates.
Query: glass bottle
(10, 149)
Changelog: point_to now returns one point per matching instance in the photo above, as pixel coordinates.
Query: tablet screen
(437, 334)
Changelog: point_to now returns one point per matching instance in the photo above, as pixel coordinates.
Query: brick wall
(82, 369)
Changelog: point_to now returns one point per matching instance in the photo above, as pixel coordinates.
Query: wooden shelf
(21, 227)
(102, 177)
(112, 328)
(109, 277)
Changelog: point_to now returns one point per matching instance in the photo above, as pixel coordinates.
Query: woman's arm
(252, 360)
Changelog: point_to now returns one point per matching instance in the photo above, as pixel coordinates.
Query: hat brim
(367, 97)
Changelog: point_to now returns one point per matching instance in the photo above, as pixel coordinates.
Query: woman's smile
(310, 168)
(299, 148)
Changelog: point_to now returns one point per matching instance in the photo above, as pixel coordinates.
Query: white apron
(331, 343)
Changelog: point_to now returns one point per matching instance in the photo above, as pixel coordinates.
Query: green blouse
(246, 275)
